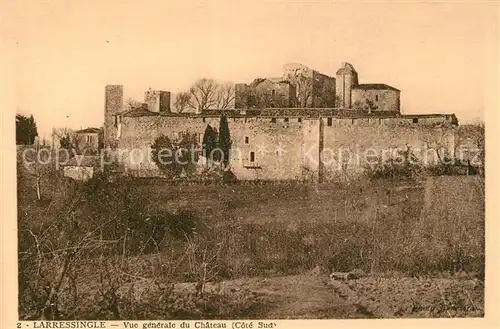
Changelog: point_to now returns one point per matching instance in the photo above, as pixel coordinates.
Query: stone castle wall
(288, 149)
(351, 145)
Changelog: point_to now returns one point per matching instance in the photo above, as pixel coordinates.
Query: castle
(304, 124)
(301, 86)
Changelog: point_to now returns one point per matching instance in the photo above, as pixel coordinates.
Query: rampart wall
(291, 148)
(350, 146)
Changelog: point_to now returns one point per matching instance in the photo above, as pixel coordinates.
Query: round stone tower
(346, 80)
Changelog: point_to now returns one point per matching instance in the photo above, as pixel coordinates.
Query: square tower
(113, 105)
(157, 100)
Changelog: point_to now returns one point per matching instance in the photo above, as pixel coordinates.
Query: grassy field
(255, 240)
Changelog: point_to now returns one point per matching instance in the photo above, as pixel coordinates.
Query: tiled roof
(138, 112)
(230, 113)
(452, 116)
(324, 112)
(375, 86)
(295, 112)
(258, 81)
(88, 131)
(435, 115)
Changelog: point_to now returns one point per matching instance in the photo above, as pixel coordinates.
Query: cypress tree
(210, 142)
(26, 130)
(224, 139)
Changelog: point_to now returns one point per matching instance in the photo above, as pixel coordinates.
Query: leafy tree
(26, 130)
(210, 143)
(224, 139)
(65, 142)
(65, 136)
(176, 158)
(101, 139)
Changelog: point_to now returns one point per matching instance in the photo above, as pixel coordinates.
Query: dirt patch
(318, 297)
(413, 297)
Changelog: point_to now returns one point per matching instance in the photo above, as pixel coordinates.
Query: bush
(404, 167)
(176, 158)
(121, 247)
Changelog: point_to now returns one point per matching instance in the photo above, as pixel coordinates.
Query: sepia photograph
(251, 160)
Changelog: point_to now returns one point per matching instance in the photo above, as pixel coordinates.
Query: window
(286, 119)
(116, 120)
(274, 92)
(89, 139)
(415, 120)
(376, 98)
(273, 120)
(252, 156)
(329, 122)
(247, 140)
(204, 119)
(299, 120)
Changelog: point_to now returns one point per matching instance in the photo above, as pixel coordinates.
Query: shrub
(405, 166)
(176, 158)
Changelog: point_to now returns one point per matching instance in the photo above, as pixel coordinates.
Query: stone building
(299, 86)
(88, 141)
(157, 100)
(283, 143)
(303, 87)
(371, 97)
(314, 89)
(261, 93)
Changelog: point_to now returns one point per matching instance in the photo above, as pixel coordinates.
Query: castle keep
(340, 126)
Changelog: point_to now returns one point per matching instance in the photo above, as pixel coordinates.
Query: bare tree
(225, 96)
(183, 101)
(130, 104)
(438, 142)
(265, 99)
(38, 164)
(204, 93)
(304, 87)
(365, 105)
(64, 137)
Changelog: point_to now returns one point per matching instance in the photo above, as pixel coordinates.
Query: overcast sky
(442, 56)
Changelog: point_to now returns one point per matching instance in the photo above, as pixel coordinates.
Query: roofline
(314, 113)
(359, 86)
(88, 132)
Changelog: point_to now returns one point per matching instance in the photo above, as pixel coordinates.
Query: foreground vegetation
(116, 250)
